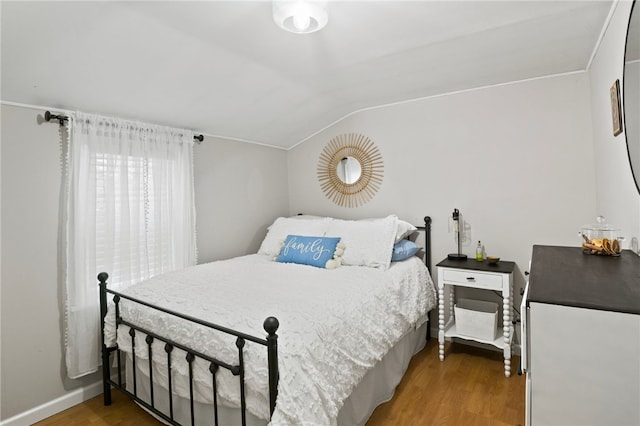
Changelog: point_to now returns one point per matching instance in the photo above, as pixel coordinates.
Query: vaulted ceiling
(223, 68)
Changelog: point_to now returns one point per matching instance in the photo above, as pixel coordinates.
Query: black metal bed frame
(270, 325)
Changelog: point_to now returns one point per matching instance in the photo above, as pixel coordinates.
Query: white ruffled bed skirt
(376, 387)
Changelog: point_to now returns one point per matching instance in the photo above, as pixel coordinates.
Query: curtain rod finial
(61, 118)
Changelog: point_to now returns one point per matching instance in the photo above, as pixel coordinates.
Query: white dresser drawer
(473, 278)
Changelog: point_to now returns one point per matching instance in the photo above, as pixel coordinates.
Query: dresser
(581, 345)
(480, 275)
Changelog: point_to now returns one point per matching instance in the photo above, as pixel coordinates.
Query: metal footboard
(270, 342)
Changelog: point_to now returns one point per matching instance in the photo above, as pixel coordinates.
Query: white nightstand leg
(441, 321)
(506, 311)
(452, 301)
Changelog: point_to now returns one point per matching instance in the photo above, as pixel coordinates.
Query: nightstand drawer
(473, 278)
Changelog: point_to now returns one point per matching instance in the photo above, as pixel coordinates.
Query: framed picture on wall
(615, 108)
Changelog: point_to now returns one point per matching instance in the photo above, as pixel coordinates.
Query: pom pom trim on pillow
(321, 252)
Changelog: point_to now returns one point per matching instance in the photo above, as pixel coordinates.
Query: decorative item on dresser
(179, 367)
(481, 275)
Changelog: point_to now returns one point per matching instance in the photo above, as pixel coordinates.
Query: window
(129, 212)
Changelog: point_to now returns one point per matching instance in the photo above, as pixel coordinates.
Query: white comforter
(334, 326)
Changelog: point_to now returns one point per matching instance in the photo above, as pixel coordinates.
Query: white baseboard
(55, 406)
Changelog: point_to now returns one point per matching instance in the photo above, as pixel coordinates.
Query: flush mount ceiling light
(300, 17)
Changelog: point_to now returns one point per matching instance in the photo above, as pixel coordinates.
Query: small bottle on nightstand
(479, 252)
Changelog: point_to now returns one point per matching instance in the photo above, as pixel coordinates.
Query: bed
(276, 337)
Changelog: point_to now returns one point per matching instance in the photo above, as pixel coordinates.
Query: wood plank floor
(468, 388)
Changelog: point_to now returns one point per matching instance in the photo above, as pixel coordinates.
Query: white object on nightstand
(480, 275)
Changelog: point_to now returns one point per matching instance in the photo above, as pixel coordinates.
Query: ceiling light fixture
(300, 17)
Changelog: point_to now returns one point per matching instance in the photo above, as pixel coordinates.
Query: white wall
(617, 198)
(516, 159)
(32, 370)
(240, 188)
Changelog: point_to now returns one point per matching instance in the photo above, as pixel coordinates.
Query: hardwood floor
(468, 388)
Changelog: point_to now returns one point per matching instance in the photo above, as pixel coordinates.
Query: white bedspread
(334, 326)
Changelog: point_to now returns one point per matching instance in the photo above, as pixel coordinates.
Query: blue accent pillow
(313, 251)
(403, 250)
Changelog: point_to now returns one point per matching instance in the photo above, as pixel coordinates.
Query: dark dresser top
(503, 266)
(566, 276)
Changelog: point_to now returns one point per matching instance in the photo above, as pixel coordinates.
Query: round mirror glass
(349, 170)
(632, 92)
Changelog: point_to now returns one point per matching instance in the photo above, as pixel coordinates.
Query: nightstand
(474, 274)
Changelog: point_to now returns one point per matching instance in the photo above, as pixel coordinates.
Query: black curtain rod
(62, 118)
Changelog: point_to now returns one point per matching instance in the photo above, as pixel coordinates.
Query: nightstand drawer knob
(471, 278)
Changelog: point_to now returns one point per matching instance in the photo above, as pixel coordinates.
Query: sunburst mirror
(350, 170)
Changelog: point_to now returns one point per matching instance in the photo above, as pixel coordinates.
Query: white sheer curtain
(129, 211)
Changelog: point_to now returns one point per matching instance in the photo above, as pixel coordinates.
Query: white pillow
(367, 242)
(403, 230)
(284, 226)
